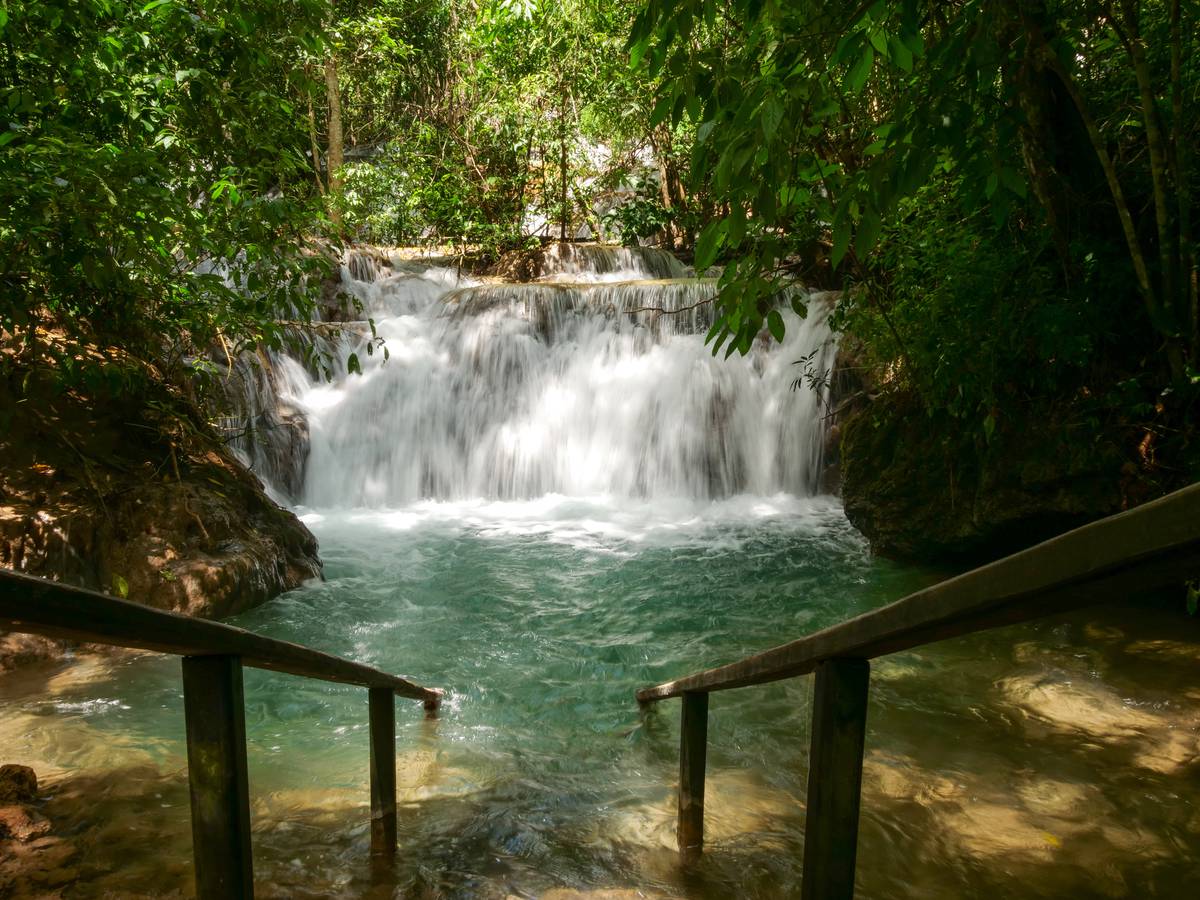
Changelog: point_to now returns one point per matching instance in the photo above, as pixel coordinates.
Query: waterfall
(593, 381)
(593, 262)
(662, 307)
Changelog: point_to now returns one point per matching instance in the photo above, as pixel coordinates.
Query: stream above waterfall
(550, 495)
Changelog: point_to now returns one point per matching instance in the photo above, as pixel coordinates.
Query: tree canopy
(154, 195)
(818, 121)
(1004, 189)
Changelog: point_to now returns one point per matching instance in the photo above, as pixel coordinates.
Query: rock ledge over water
(931, 491)
(136, 496)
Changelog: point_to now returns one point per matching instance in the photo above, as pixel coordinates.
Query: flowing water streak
(592, 262)
(590, 387)
(266, 425)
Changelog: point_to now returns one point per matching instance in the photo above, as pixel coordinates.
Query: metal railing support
(382, 711)
(214, 706)
(1153, 546)
(693, 745)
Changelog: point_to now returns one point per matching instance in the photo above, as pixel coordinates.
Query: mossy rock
(926, 490)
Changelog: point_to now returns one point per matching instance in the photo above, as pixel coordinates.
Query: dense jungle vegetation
(1005, 189)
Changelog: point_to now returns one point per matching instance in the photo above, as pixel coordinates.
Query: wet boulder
(18, 784)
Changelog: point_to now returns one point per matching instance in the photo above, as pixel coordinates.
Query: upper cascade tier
(682, 306)
(595, 262)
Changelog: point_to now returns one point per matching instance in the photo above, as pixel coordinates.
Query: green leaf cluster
(154, 192)
(993, 184)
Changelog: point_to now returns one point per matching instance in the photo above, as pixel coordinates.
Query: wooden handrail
(1153, 546)
(214, 709)
(37, 606)
(1149, 547)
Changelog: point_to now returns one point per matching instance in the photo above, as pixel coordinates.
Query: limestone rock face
(933, 490)
(106, 496)
(210, 545)
(263, 425)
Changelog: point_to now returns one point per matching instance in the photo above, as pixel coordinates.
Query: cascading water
(266, 426)
(548, 496)
(592, 262)
(594, 387)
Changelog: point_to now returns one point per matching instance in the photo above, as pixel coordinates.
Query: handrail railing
(1150, 547)
(37, 606)
(213, 656)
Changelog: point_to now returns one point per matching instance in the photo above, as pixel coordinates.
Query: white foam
(510, 392)
(601, 522)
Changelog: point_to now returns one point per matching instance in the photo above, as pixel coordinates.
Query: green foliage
(977, 175)
(407, 195)
(639, 218)
(969, 313)
(474, 118)
(379, 199)
(827, 119)
(149, 177)
(391, 55)
(1004, 192)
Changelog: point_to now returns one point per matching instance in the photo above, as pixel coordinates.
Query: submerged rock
(18, 784)
(33, 862)
(22, 823)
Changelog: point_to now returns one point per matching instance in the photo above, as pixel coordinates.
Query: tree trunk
(334, 156)
(314, 146)
(1158, 159)
(1041, 122)
(1050, 59)
(520, 223)
(679, 198)
(1189, 289)
(660, 144)
(565, 210)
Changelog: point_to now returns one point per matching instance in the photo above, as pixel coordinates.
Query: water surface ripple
(1032, 761)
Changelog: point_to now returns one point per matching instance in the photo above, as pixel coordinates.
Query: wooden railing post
(382, 706)
(839, 720)
(693, 740)
(216, 744)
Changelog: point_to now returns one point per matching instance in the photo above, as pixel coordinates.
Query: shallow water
(1032, 761)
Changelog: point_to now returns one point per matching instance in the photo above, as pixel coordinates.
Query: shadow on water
(1045, 760)
(1031, 762)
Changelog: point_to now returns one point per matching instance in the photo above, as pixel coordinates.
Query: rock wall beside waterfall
(261, 420)
(929, 490)
(113, 494)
